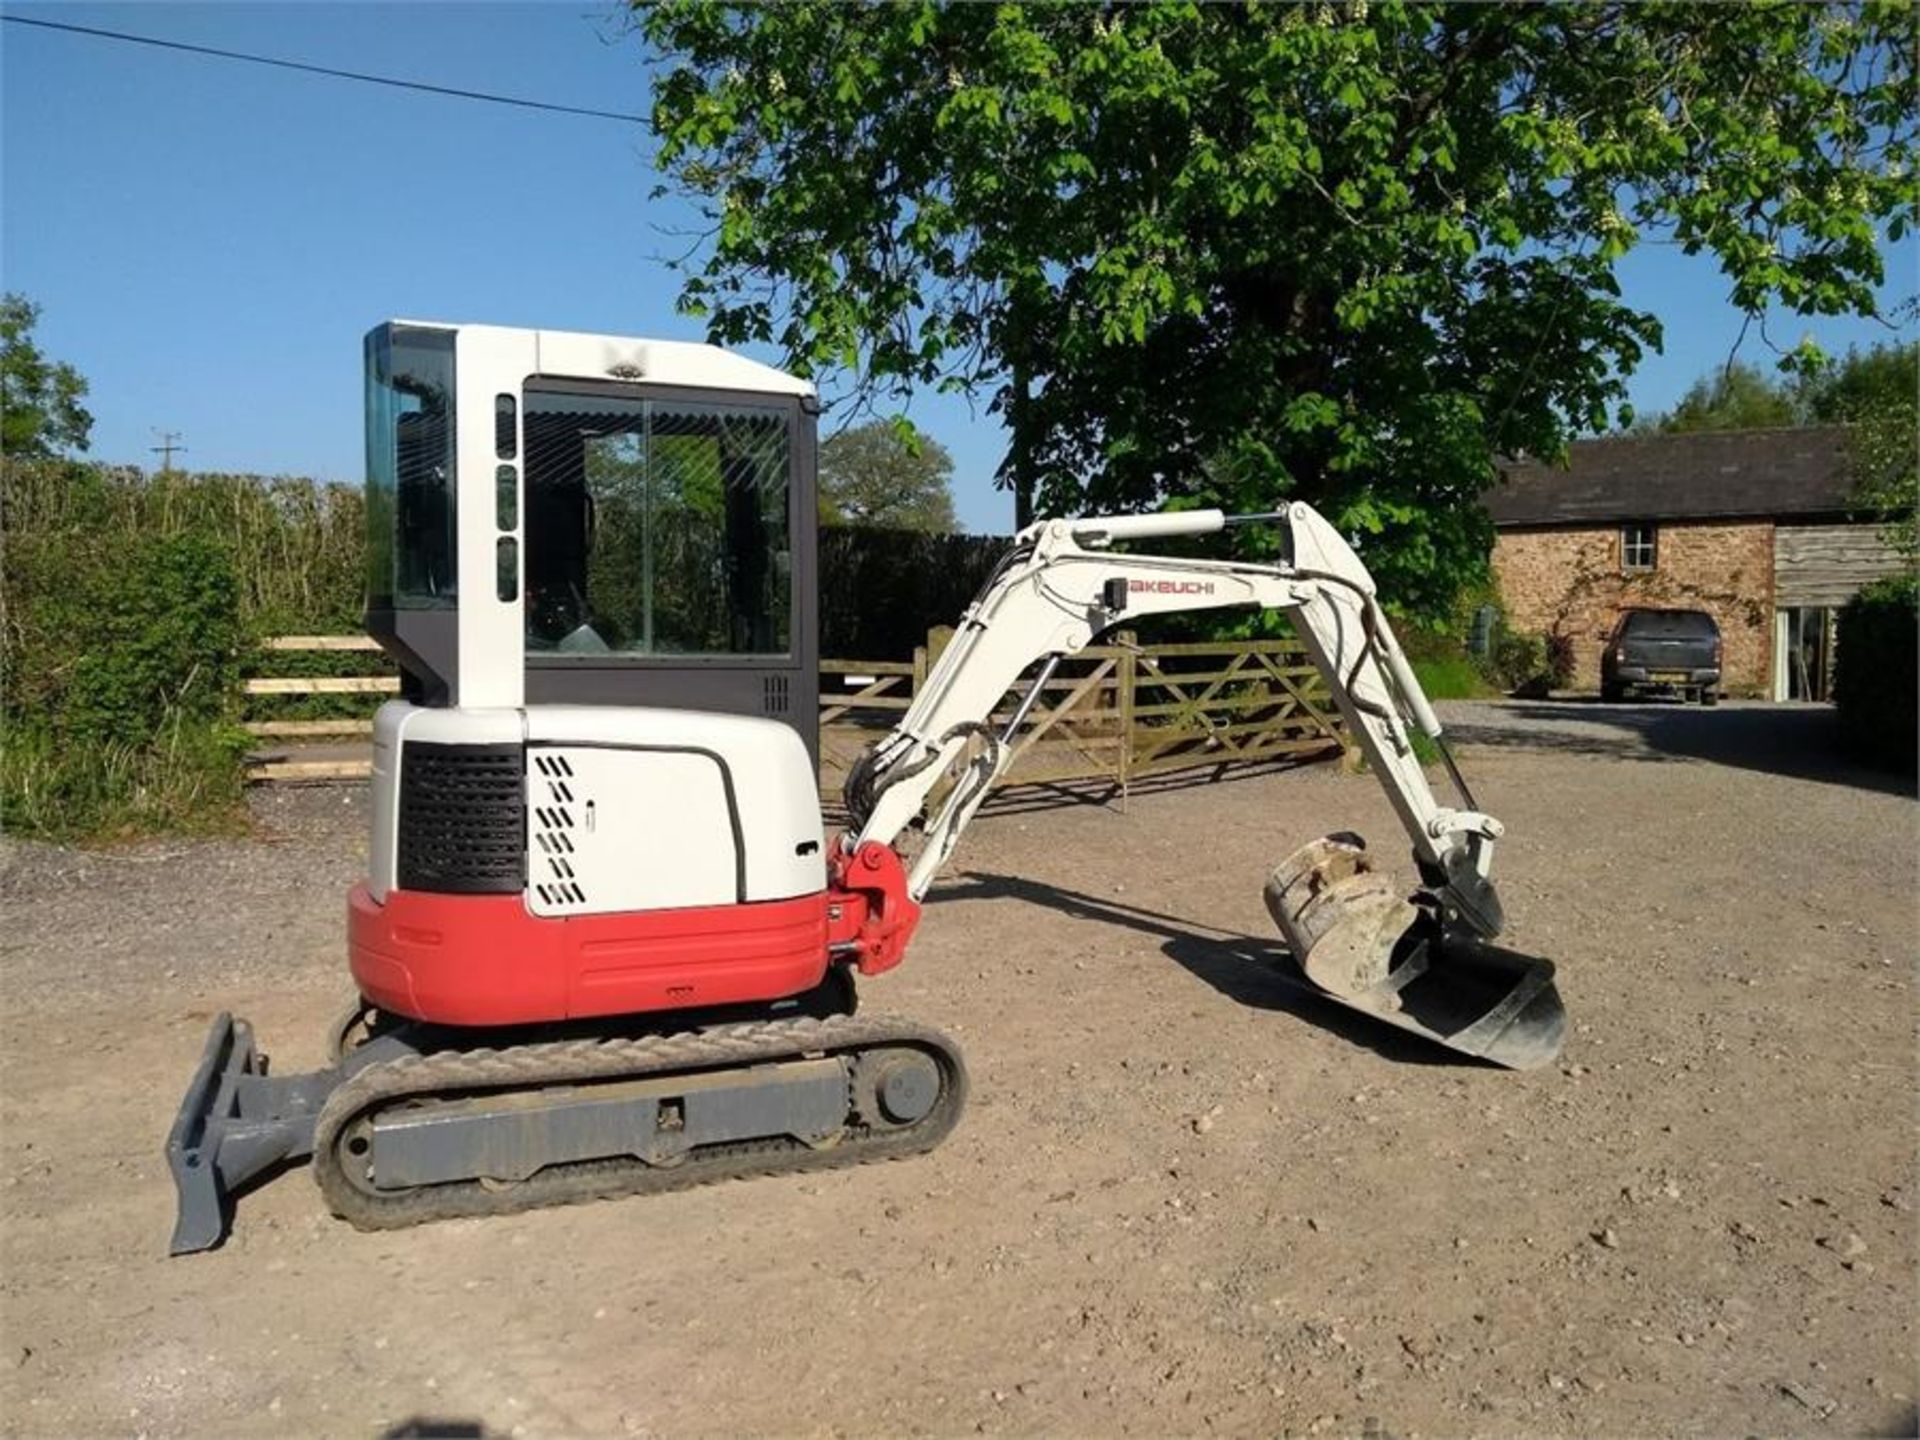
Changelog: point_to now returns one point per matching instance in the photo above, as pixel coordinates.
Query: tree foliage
(1738, 397)
(1876, 394)
(128, 604)
(39, 398)
(888, 475)
(1199, 254)
(1876, 680)
(881, 591)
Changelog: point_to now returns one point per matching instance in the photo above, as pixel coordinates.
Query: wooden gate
(1117, 712)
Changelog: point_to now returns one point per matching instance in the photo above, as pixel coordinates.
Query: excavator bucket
(1358, 938)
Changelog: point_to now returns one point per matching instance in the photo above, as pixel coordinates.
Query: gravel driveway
(1186, 1196)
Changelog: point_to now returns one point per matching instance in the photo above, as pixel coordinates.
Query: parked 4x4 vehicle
(1677, 651)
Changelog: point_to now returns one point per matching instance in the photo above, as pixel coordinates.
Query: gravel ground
(1185, 1197)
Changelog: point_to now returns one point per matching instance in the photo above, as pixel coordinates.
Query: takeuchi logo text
(1170, 587)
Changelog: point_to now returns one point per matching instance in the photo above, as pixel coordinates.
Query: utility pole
(169, 442)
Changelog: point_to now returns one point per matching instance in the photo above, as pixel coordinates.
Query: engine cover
(590, 810)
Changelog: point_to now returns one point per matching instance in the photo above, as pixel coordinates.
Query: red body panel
(488, 960)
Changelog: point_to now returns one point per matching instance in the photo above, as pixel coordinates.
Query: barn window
(1636, 548)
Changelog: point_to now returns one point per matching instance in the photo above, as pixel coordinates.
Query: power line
(365, 79)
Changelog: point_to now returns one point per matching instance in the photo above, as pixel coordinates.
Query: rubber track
(524, 1067)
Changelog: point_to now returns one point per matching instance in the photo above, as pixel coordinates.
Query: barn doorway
(1803, 653)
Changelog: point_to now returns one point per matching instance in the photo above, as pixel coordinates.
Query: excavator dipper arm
(1354, 934)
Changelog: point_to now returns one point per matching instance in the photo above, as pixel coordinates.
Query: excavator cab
(556, 518)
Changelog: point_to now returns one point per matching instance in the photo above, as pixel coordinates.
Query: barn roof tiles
(1720, 474)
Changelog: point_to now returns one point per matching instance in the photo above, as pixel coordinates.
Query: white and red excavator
(605, 946)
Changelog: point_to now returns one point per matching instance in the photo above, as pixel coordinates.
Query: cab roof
(575, 354)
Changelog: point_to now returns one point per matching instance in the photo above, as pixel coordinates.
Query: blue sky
(210, 240)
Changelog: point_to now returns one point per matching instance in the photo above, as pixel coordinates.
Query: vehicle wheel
(1709, 696)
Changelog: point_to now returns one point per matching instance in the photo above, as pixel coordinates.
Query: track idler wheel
(1359, 938)
(894, 1088)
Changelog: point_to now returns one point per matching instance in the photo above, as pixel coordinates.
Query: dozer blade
(235, 1123)
(1365, 944)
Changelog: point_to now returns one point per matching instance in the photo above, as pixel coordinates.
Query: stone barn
(1753, 526)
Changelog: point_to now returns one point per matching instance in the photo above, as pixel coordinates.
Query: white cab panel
(577, 355)
(619, 829)
(762, 766)
(488, 361)
(570, 354)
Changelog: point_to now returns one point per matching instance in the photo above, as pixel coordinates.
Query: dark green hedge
(882, 590)
(1875, 675)
(131, 603)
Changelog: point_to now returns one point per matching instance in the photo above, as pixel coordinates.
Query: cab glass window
(410, 467)
(655, 527)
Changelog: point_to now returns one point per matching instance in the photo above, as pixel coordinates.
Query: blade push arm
(1059, 587)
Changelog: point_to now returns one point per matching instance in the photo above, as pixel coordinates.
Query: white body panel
(577, 354)
(657, 362)
(689, 808)
(611, 830)
(771, 779)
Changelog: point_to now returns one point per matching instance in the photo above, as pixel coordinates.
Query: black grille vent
(774, 695)
(463, 827)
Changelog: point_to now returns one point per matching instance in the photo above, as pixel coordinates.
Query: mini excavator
(605, 946)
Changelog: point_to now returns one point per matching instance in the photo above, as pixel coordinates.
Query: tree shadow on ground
(1257, 973)
(1800, 742)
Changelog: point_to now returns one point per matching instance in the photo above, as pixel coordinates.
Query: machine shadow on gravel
(1259, 974)
(429, 1427)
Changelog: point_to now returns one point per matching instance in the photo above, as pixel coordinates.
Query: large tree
(1739, 396)
(1221, 254)
(1876, 395)
(887, 473)
(40, 409)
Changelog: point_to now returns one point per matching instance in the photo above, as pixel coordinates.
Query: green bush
(130, 606)
(1875, 673)
(1532, 666)
(298, 545)
(1516, 659)
(1439, 656)
(119, 708)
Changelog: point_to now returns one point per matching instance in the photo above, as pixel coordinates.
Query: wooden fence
(313, 759)
(1118, 712)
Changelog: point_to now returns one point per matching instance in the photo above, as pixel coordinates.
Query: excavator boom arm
(1416, 960)
(1060, 586)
